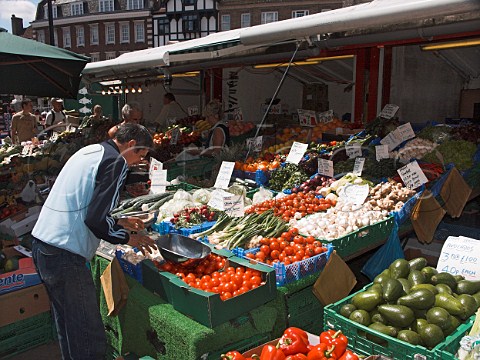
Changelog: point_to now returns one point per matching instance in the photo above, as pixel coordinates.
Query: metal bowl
(179, 249)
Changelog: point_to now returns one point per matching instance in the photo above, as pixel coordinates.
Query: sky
(21, 8)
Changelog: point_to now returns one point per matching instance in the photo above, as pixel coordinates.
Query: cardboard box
(23, 304)
(20, 226)
(24, 277)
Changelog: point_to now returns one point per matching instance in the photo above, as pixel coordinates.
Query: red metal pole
(387, 75)
(373, 83)
(359, 86)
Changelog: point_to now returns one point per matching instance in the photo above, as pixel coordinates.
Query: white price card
(406, 131)
(296, 152)
(358, 167)
(175, 135)
(307, 117)
(325, 117)
(325, 167)
(389, 111)
(216, 199)
(392, 140)
(255, 144)
(158, 181)
(356, 194)
(381, 152)
(460, 256)
(353, 150)
(54, 137)
(192, 110)
(412, 175)
(224, 175)
(154, 166)
(233, 205)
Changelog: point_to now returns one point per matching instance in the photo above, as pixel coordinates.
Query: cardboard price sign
(224, 175)
(233, 205)
(392, 140)
(154, 166)
(325, 117)
(389, 111)
(158, 181)
(307, 117)
(175, 136)
(353, 150)
(381, 152)
(255, 144)
(296, 153)
(358, 167)
(459, 256)
(325, 167)
(192, 110)
(355, 194)
(406, 132)
(412, 175)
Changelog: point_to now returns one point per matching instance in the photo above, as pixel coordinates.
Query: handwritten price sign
(224, 175)
(412, 175)
(296, 152)
(307, 118)
(459, 257)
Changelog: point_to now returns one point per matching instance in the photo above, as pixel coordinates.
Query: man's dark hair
(169, 96)
(25, 102)
(139, 133)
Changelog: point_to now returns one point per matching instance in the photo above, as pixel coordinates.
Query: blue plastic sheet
(388, 253)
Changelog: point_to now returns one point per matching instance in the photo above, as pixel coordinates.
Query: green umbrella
(28, 67)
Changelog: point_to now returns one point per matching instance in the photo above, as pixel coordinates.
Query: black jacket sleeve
(110, 178)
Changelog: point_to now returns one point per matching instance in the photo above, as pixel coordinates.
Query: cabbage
(182, 195)
(202, 196)
(261, 196)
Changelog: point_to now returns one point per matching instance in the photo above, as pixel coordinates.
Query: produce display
(239, 127)
(436, 134)
(414, 303)
(252, 165)
(414, 149)
(193, 216)
(469, 133)
(389, 196)
(372, 168)
(287, 177)
(459, 152)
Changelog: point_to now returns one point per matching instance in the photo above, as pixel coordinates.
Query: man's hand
(132, 224)
(142, 243)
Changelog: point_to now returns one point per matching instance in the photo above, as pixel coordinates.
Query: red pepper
(297, 357)
(349, 355)
(293, 343)
(233, 355)
(331, 338)
(321, 352)
(270, 352)
(296, 331)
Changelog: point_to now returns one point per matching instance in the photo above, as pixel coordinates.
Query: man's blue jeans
(73, 297)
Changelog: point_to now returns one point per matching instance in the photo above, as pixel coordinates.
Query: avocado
(476, 296)
(381, 328)
(380, 278)
(11, 264)
(431, 335)
(397, 315)
(420, 314)
(468, 287)
(418, 324)
(416, 277)
(361, 317)
(377, 288)
(418, 299)
(367, 300)
(470, 305)
(444, 278)
(429, 271)
(418, 263)
(375, 316)
(430, 287)
(410, 337)
(347, 309)
(444, 289)
(392, 290)
(439, 316)
(450, 303)
(399, 269)
(459, 278)
(454, 324)
(405, 284)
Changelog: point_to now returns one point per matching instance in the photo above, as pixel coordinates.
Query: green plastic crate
(26, 325)
(183, 185)
(241, 346)
(26, 341)
(311, 320)
(452, 344)
(302, 301)
(394, 348)
(191, 168)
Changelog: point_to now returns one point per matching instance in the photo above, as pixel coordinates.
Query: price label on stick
(296, 152)
(358, 167)
(307, 117)
(154, 166)
(158, 181)
(356, 194)
(325, 167)
(224, 175)
(406, 132)
(381, 152)
(389, 111)
(175, 135)
(459, 256)
(233, 205)
(353, 150)
(255, 144)
(412, 175)
(392, 140)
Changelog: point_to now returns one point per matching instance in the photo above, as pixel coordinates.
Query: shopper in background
(170, 110)
(218, 136)
(131, 113)
(56, 116)
(24, 123)
(75, 216)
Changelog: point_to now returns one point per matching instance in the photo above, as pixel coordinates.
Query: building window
(300, 13)
(189, 2)
(110, 33)
(163, 26)
(106, 6)
(54, 11)
(80, 36)
(190, 23)
(225, 25)
(269, 16)
(77, 9)
(135, 4)
(94, 35)
(245, 20)
(67, 41)
(139, 32)
(94, 57)
(109, 55)
(124, 33)
(41, 36)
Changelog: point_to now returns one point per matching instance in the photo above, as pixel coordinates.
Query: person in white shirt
(170, 110)
(56, 116)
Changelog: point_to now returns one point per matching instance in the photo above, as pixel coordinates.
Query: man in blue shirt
(75, 216)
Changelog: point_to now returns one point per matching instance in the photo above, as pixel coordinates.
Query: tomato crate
(392, 348)
(240, 346)
(285, 274)
(192, 168)
(166, 227)
(134, 270)
(367, 237)
(452, 344)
